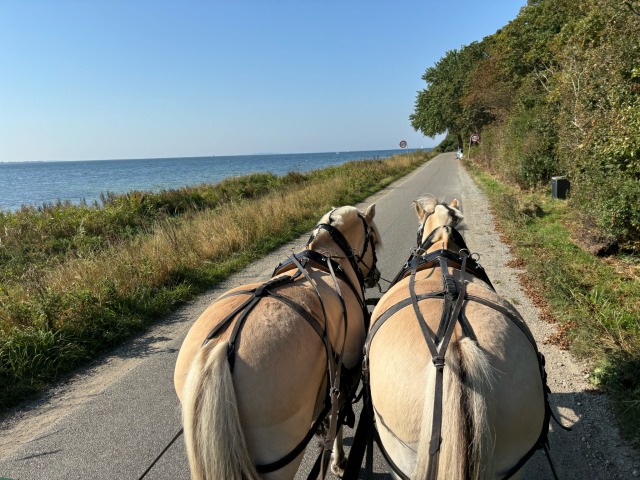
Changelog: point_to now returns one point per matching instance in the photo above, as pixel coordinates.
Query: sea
(39, 183)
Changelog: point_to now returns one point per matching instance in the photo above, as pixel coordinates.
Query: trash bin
(559, 187)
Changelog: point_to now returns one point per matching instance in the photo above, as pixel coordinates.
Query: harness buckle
(450, 285)
(438, 361)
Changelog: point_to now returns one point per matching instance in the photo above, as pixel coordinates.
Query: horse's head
(360, 237)
(436, 222)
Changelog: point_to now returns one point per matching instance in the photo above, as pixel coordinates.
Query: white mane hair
(446, 214)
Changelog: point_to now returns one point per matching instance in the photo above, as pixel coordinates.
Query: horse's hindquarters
(495, 383)
(515, 406)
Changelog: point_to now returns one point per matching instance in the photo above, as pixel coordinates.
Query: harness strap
(428, 261)
(451, 290)
(256, 293)
(177, 435)
(467, 330)
(335, 386)
(322, 262)
(359, 445)
(439, 362)
(421, 321)
(455, 234)
(298, 449)
(510, 315)
(386, 455)
(391, 311)
(379, 418)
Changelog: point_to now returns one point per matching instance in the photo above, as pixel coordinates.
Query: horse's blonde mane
(428, 202)
(340, 216)
(447, 216)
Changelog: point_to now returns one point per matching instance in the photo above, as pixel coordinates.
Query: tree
(439, 106)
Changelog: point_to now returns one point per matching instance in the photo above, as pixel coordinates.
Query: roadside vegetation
(76, 280)
(595, 301)
(556, 92)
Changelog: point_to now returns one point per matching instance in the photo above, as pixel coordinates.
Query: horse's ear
(454, 203)
(419, 210)
(370, 213)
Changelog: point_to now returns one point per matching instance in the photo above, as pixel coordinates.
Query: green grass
(597, 308)
(76, 281)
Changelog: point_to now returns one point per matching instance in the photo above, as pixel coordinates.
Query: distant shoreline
(398, 150)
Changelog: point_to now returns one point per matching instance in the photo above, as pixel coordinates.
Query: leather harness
(454, 295)
(337, 388)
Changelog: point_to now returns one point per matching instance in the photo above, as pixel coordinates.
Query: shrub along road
(111, 419)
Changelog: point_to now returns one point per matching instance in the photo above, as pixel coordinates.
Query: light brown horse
(455, 380)
(254, 371)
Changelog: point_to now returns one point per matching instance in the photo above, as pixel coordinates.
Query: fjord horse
(456, 382)
(266, 362)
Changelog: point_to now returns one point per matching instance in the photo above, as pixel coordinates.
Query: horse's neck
(331, 250)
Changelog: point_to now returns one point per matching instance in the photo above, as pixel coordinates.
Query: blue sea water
(36, 183)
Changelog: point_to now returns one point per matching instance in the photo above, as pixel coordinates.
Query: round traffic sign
(403, 144)
(475, 137)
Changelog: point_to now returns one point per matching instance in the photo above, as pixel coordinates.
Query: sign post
(475, 138)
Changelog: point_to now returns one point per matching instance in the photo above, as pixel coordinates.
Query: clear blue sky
(98, 79)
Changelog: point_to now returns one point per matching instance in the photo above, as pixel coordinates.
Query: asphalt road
(111, 419)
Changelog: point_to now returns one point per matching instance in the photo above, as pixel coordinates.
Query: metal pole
(469, 151)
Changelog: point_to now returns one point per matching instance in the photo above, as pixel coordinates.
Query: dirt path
(593, 449)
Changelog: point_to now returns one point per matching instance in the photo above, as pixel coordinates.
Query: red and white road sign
(475, 137)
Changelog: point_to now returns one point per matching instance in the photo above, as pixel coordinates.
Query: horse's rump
(280, 365)
(494, 382)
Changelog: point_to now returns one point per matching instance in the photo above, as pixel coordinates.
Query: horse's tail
(216, 446)
(467, 442)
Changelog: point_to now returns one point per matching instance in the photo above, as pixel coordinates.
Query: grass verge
(595, 302)
(78, 280)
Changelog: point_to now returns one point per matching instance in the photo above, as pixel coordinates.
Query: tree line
(554, 92)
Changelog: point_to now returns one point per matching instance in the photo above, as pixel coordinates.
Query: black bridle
(373, 275)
